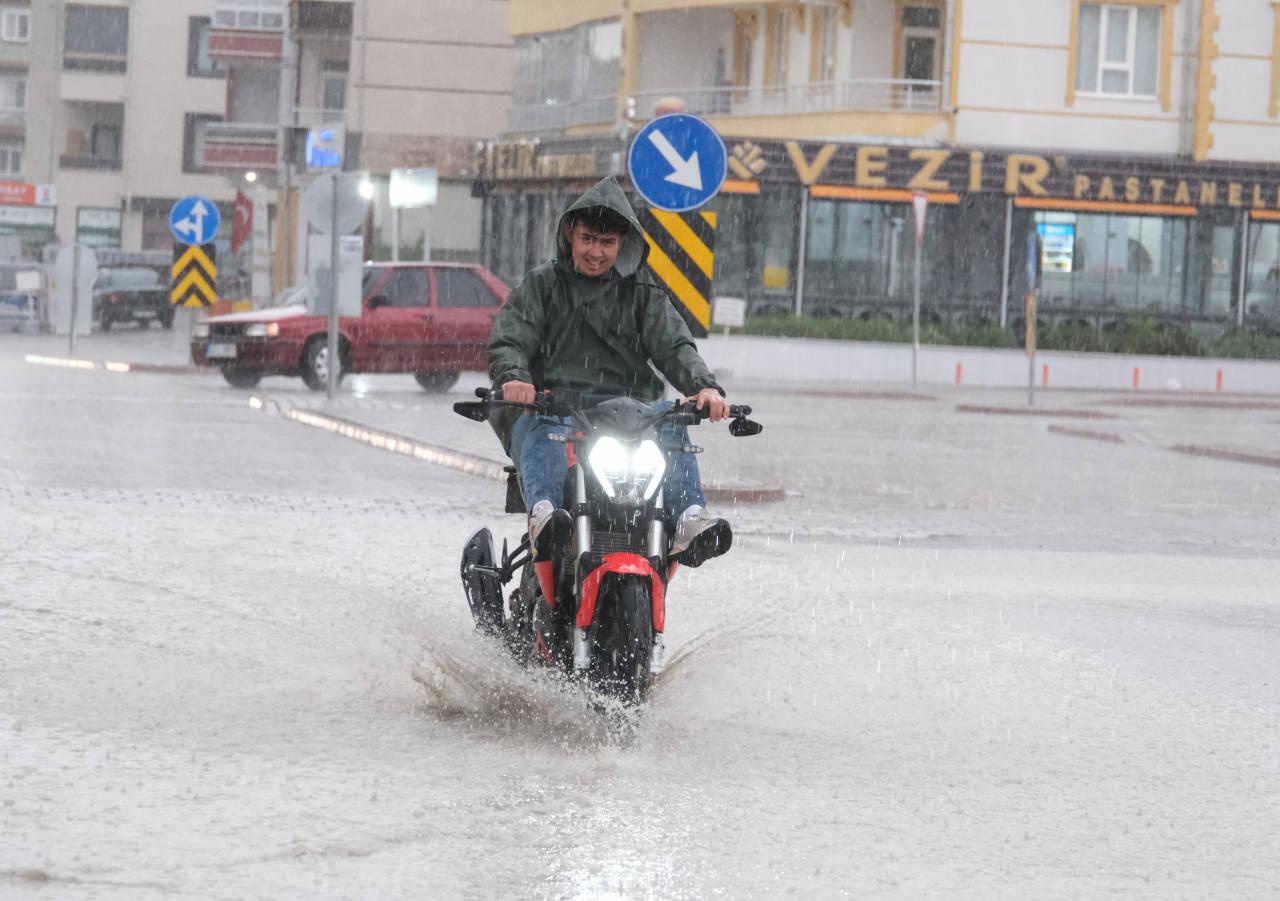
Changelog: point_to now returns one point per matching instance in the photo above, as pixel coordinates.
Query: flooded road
(967, 657)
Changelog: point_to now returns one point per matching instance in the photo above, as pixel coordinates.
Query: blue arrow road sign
(677, 162)
(194, 220)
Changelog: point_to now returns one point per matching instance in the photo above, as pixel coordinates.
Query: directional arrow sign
(194, 220)
(677, 162)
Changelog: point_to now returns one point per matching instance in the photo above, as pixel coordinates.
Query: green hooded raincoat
(560, 329)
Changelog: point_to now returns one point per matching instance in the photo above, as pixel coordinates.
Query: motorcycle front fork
(656, 551)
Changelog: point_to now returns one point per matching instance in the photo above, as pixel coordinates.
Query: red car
(431, 319)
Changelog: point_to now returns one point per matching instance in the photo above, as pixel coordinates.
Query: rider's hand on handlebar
(716, 406)
(519, 392)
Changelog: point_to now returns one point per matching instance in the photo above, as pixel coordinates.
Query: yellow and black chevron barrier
(682, 259)
(195, 276)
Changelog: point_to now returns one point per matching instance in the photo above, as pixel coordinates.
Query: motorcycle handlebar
(546, 402)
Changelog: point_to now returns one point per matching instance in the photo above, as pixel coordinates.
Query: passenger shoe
(549, 529)
(699, 537)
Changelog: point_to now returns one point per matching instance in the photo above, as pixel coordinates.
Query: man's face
(594, 253)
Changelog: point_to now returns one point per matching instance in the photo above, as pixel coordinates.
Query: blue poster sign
(677, 162)
(194, 220)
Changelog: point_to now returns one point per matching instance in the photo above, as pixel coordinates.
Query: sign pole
(334, 258)
(75, 297)
(395, 234)
(1032, 270)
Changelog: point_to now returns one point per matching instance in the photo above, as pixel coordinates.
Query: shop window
(15, 26)
(1118, 50)
(96, 38)
(199, 63)
(1262, 288)
(780, 210)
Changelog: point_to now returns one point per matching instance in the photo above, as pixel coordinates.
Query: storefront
(828, 229)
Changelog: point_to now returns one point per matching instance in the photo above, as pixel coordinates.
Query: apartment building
(411, 83)
(1128, 148)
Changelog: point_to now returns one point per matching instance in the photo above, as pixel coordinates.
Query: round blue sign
(677, 162)
(194, 220)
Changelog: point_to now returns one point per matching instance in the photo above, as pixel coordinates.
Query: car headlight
(201, 330)
(628, 474)
(262, 330)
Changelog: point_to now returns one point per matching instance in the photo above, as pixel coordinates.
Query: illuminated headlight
(262, 330)
(201, 330)
(627, 474)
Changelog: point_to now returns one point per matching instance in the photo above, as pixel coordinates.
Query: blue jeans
(543, 463)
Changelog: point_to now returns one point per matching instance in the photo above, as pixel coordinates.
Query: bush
(1139, 336)
(1241, 344)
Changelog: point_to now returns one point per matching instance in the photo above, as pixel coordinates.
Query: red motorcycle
(597, 610)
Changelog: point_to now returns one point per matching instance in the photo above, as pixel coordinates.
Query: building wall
(1245, 127)
(678, 49)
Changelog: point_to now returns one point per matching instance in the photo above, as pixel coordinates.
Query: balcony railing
(238, 145)
(314, 117)
(896, 95)
(12, 117)
(551, 116)
(81, 161)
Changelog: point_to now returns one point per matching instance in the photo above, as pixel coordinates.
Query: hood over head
(608, 194)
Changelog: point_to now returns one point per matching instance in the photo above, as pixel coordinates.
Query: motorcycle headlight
(201, 330)
(262, 330)
(627, 474)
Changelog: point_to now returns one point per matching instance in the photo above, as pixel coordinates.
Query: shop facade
(827, 229)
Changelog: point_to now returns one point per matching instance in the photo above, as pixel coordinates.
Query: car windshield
(290, 296)
(131, 277)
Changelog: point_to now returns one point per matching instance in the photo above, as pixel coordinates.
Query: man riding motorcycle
(591, 321)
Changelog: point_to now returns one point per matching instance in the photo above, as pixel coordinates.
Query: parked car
(131, 294)
(430, 319)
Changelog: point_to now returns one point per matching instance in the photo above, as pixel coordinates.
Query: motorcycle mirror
(744, 428)
(472, 410)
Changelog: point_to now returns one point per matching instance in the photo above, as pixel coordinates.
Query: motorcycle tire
(622, 640)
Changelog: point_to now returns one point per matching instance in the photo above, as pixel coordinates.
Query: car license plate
(222, 351)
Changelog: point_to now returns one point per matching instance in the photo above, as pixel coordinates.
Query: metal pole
(1008, 246)
(1242, 290)
(426, 234)
(803, 249)
(334, 258)
(915, 317)
(75, 296)
(1031, 345)
(395, 234)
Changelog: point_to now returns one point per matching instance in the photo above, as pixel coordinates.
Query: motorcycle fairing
(626, 565)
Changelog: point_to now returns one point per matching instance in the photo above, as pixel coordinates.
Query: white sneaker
(699, 537)
(543, 540)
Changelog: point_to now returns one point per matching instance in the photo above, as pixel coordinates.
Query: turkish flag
(242, 227)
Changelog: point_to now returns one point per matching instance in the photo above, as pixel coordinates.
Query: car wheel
(144, 324)
(315, 363)
(166, 319)
(240, 378)
(436, 382)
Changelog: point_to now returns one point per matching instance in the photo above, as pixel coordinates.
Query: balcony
(554, 116)
(12, 118)
(320, 17)
(872, 95)
(315, 117)
(247, 31)
(236, 145)
(92, 163)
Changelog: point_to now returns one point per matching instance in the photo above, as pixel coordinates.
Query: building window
(250, 15)
(199, 63)
(919, 44)
(333, 85)
(1118, 52)
(11, 157)
(822, 48)
(13, 93)
(105, 142)
(96, 38)
(15, 26)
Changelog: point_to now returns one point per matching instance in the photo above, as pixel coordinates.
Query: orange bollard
(1137, 378)
(1219, 385)
(1044, 376)
(959, 374)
